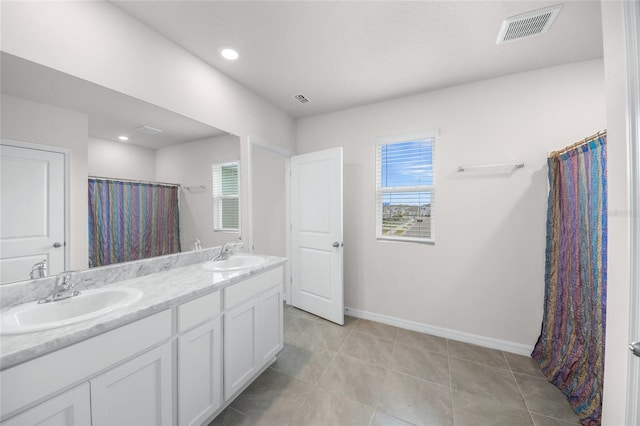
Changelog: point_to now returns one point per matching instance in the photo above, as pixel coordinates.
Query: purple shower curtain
(570, 349)
(131, 220)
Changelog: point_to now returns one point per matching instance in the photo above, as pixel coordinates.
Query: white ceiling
(110, 113)
(342, 54)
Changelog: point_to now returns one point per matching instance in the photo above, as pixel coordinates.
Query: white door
(316, 233)
(31, 211)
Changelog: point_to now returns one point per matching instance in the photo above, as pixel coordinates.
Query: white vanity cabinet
(252, 328)
(123, 373)
(179, 366)
(199, 359)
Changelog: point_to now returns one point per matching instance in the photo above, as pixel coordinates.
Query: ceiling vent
(147, 130)
(301, 98)
(528, 24)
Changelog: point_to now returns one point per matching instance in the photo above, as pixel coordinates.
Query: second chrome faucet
(63, 289)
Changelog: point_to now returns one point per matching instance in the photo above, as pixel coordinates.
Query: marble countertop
(161, 290)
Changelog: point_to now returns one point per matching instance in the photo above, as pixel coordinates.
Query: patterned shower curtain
(570, 349)
(131, 220)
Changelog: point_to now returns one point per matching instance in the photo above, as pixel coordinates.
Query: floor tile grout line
(524, 400)
(315, 385)
(384, 380)
(453, 421)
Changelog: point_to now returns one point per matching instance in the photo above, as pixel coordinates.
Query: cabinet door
(138, 392)
(67, 409)
(239, 346)
(269, 326)
(199, 373)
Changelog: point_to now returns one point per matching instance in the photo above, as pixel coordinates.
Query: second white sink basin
(32, 316)
(234, 263)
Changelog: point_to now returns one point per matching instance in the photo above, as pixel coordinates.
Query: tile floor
(368, 373)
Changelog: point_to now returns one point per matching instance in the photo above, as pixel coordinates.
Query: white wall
(190, 165)
(33, 122)
(618, 266)
(120, 160)
(485, 274)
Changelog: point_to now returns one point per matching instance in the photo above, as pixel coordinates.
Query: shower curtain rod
(579, 143)
(135, 181)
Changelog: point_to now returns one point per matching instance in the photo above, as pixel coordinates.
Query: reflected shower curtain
(570, 349)
(131, 220)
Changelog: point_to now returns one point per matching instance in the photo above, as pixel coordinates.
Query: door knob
(57, 245)
(336, 244)
(634, 347)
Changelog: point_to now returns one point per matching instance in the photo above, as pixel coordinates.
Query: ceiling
(342, 54)
(110, 113)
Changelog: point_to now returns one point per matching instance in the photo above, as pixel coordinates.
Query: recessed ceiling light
(229, 53)
(123, 138)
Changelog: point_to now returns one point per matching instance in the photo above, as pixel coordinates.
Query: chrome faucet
(62, 290)
(39, 270)
(225, 252)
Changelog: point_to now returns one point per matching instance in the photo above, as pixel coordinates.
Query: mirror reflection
(60, 134)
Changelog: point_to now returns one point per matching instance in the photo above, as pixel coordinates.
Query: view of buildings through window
(405, 187)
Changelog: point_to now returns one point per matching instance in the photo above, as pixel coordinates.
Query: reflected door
(316, 234)
(31, 211)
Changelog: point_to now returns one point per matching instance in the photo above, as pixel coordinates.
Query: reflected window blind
(226, 200)
(405, 190)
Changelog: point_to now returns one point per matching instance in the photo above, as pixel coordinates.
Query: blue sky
(407, 163)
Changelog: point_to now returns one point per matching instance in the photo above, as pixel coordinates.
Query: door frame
(66, 153)
(255, 142)
(631, 17)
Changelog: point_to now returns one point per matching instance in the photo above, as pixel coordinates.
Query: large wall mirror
(44, 109)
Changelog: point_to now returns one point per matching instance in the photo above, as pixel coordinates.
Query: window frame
(380, 190)
(218, 210)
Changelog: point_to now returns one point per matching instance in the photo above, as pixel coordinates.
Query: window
(405, 190)
(226, 200)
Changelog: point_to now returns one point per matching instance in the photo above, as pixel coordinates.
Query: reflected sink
(234, 263)
(32, 316)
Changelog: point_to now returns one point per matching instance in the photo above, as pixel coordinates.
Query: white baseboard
(503, 345)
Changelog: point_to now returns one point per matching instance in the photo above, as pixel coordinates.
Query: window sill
(405, 240)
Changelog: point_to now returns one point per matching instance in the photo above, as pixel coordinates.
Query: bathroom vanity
(194, 341)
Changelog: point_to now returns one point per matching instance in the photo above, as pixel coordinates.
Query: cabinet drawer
(69, 365)
(245, 290)
(198, 311)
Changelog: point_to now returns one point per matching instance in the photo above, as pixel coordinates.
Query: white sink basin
(89, 304)
(234, 263)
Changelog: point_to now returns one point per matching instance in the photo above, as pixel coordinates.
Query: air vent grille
(147, 130)
(528, 24)
(301, 98)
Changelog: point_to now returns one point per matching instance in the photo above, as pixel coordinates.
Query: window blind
(405, 190)
(226, 200)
